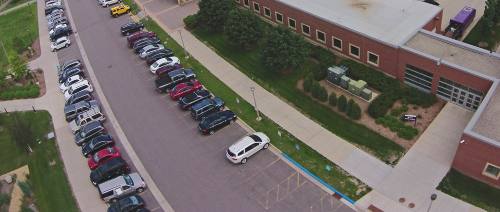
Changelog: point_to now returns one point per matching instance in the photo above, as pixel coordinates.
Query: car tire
(140, 29)
(66, 45)
(128, 11)
(265, 146)
(221, 108)
(107, 5)
(231, 122)
(54, 50)
(139, 190)
(116, 15)
(113, 200)
(211, 132)
(244, 160)
(198, 89)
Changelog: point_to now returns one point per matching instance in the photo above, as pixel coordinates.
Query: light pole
(4, 49)
(187, 56)
(433, 197)
(30, 9)
(52, 162)
(29, 34)
(252, 87)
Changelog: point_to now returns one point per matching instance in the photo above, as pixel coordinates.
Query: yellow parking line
(143, 192)
(155, 208)
(141, 63)
(174, 105)
(223, 148)
(146, 70)
(130, 51)
(184, 115)
(135, 56)
(151, 78)
(165, 95)
(192, 127)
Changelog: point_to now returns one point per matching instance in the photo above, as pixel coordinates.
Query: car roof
(61, 38)
(78, 84)
(103, 137)
(241, 144)
(74, 77)
(81, 93)
(182, 85)
(112, 184)
(203, 103)
(91, 126)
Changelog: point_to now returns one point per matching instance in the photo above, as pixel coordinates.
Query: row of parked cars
(57, 24)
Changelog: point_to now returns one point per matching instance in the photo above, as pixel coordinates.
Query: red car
(131, 39)
(184, 89)
(103, 156)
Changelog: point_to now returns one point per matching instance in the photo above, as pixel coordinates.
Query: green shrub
(307, 84)
(34, 93)
(321, 54)
(315, 88)
(349, 107)
(342, 103)
(380, 120)
(4, 199)
(190, 21)
(39, 71)
(356, 111)
(419, 116)
(418, 97)
(25, 188)
(395, 112)
(415, 107)
(404, 101)
(320, 71)
(333, 99)
(404, 108)
(382, 103)
(322, 94)
(18, 94)
(25, 94)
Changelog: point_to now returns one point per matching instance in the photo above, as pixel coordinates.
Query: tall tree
(18, 65)
(488, 19)
(282, 48)
(496, 8)
(214, 13)
(18, 43)
(20, 131)
(243, 28)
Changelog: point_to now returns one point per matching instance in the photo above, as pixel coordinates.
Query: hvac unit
(366, 94)
(355, 87)
(344, 82)
(335, 73)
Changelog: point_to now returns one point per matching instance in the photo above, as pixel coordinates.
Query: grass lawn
(284, 85)
(470, 190)
(14, 3)
(307, 157)
(15, 23)
(474, 36)
(51, 187)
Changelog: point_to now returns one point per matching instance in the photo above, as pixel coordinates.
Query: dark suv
(131, 27)
(88, 132)
(143, 42)
(193, 98)
(131, 39)
(158, 54)
(110, 169)
(207, 107)
(61, 32)
(71, 72)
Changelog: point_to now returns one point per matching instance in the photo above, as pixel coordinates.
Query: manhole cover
(411, 205)
(402, 200)
(110, 66)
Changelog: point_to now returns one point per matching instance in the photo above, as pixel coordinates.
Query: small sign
(410, 118)
(237, 100)
(279, 133)
(50, 135)
(297, 146)
(328, 167)
(57, 68)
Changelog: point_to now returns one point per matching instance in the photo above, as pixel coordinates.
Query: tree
(333, 99)
(214, 13)
(356, 111)
(349, 107)
(315, 89)
(20, 131)
(18, 43)
(282, 48)
(488, 18)
(243, 28)
(342, 103)
(3, 73)
(496, 18)
(491, 10)
(18, 65)
(323, 94)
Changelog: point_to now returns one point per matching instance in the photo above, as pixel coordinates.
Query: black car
(131, 27)
(216, 121)
(138, 45)
(68, 64)
(207, 107)
(79, 97)
(61, 32)
(193, 98)
(49, 10)
(71, 72)
(96, 144)
(89, 132)
(158, 54)
(109, 169)
(128, 204)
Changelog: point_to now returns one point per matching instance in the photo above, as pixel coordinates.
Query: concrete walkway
(18, 6)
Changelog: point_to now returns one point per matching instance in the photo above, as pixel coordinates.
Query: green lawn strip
(51, 186)
(15, 3)
(15, 23)
(134, 8)
(306, 157)
(470, 190)
(284, 85)
(475, 36)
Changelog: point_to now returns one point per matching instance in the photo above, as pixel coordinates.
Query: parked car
(193, 98)
(110, 169)
(158, 54)
(216, 121)
(85, 118)
(240, 151)
(75, 70)
(70, 81)
(174, 78)
(89, 132)
(49, 10)
(132, 203)
(57, 22)
(54, 17)
(141, 43)
(207, 107)
(59, 44)
(118, 10)
(59, 26)
(163, 62)
(69, 64)
(96, 144)
(106, 3)
(103, 156)
(131, 27)
(52, 3)
(185, 88)
(163, 71)
(54, 12)
(79, 97)
(149, 49)
(59, 32)
(78, 87)
(121, 186)
(73, 110)
(131, 39)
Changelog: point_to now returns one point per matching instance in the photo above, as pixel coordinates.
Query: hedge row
(404, 131)
(20, 92)
(373, 77)
(326, 59)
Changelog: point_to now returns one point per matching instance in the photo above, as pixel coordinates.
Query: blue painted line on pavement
(321, 181)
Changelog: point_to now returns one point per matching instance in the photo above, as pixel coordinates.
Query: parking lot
(190, 169)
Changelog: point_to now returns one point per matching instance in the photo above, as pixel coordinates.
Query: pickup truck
(174, 78)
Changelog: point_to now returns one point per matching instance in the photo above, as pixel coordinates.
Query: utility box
(355, 87)
(344, 82)
(335, 73)
(366, 94)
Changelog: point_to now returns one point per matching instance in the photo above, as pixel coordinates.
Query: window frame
(359, 51)
(302, 29)
(270, 14)
(246, 3)
(295, 28)
(368, 58)
(333, 43)
(317, 37)
(276, 17)
(489, 174)
(258, 6)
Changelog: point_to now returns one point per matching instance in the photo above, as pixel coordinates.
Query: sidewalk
(18, 6)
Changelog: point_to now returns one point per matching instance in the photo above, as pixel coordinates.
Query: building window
(321, 36)
(306, 30)
(372, 59)
(267, 12)
(247, 4)
(292, 23)
(337, 43)
(256, 7)
(279, 17)
(492, 171)
(418, 78)
(354, 50)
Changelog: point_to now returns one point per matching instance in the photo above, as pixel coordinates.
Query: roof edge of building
(457, 43)
(410, 36)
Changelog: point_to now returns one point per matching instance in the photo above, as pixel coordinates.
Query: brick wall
(472, 156)
(435, 23)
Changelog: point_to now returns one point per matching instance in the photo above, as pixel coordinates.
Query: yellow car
(118, 10)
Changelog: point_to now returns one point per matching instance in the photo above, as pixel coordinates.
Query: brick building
(402, 38)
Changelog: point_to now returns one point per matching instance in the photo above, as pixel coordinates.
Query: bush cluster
(190, 21)
(374, 78)
(315, 88)
(20, 92)
(25, 188)
(308, 82)
(355, 111)
(4, 199)
(349, 107)
(325, 58)
(404, 131)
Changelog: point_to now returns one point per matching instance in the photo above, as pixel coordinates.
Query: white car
(57, 27)
(54, 13)
(60, 43)
(163, 62)
(240, 151)
(78, 87)
(149, 49)
(70, 81)
(52, 3)
(106, 3)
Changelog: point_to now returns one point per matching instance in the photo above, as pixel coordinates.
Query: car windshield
(206, 122)
(256, 138)
(129, 201)
(68, 82)
(111, 151)
(175, 90)
(128, 180)
(211, 101)
(87, 104)
(155, 64)
(96, 158)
